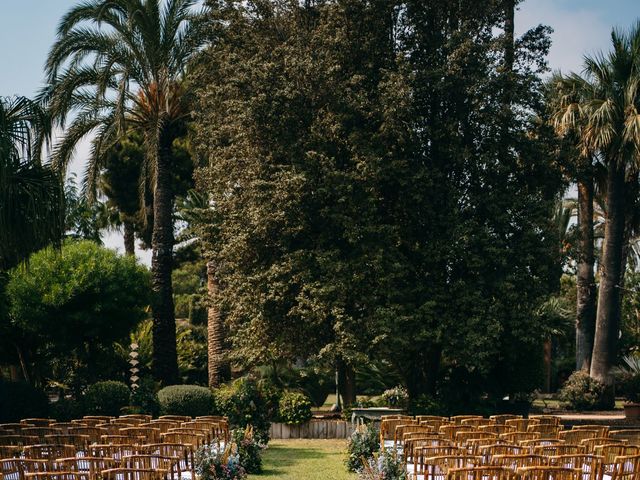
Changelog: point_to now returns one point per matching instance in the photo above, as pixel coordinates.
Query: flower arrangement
(396, 397)
(384, 466)
(249, 449)
(212, 463)
(363, 444)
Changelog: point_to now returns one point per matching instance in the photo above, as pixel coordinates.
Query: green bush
(426, 405)
(192, 400)
(20, 400)
(581, 392)
(66, 409)
(145, 399)
(294, 408)
(363, 443)
(242, 402)
(106, 398)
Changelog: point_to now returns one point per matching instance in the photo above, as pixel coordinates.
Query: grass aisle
(305, 460)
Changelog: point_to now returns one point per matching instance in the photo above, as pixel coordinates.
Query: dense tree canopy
(370, 198)
(71, 305)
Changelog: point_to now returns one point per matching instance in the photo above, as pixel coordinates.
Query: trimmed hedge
(192, 400)
(106, 398)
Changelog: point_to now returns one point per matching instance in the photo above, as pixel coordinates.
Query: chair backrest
(626, 468)
(436, 467)
(100, 418)
(49, 451)
(477, 422)
(121, 440)
(16, 428)
(93, 466)
(178, 418)
(631, 435)
(612, 450)
(546, 430)
(64, 426)
(113, 451)
(164, 425)
(488, 451)
(549, 473)
(18, 440)
(151, 435)
(591, 465)
(576, 436)
(498, 429)
(602, 429)
(501, 419)
(481, 473)
(559, 449)
(41, 432)
(193, 439)
(547, 419)
(457, 419)
(93, 433)
(37, 422)
(436, 418)
(149, 461)
(127, 422)
(78, 441)
(450, 431)
(532, 444)
(57, 475)
(591, 443)
(16, 468)
(145, 418)
(521, 424)
(462, 437)
(184, 453)
(516, 461)
(516, 437)
(133, 474)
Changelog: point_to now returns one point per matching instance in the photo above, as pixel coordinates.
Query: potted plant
(629, 381)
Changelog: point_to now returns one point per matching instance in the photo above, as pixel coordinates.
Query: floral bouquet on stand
(214, 463)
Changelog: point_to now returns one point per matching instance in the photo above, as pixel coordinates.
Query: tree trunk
(347, 383)
(215, 330)
(548, 358)
(165, 358)
(509, 38)
(586, 285)
(129, 238)
(608, 310)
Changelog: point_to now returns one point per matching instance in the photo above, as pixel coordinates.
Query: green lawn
(305, 459)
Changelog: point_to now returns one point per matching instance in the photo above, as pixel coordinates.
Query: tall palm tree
(118, 65)
(31, 194)
(610, 107)
(568, 118)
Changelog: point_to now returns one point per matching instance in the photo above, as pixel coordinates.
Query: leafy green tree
(370, 199)
(70, 306)
(119, 65)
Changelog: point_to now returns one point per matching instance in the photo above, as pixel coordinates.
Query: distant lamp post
(337, 407)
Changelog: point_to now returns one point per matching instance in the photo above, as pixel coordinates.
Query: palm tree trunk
(129, 238)
(608, 310)
(215, 330)
(165, 359)
(586, 288)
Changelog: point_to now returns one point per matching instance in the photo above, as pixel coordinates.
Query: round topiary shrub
(106, 398)
(20, 400)
(191, 400)
(581, 392)
(295, 408)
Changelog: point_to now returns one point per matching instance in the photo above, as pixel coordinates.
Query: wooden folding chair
(590, 465)
(626, 468)
(151, 435)
(114, 451)
(436, 468)
(16, 468)
(91, 466)
(151, 462)
(184, 453)
(49, 451)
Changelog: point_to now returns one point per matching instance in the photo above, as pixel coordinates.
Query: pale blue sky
(27, 29)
